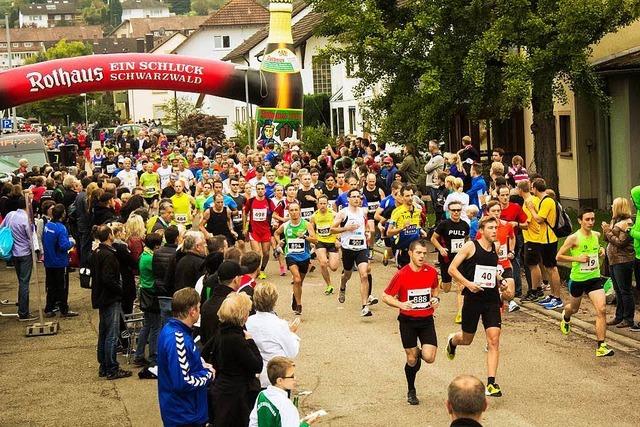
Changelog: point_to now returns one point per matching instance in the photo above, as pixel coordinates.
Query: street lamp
(245, 68)
(86, 115)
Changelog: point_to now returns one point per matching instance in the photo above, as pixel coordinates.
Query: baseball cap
(388, 159)
(229, 270)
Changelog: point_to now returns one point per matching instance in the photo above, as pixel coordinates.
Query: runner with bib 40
(475, 267)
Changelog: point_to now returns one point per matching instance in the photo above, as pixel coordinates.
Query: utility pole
(8, 37)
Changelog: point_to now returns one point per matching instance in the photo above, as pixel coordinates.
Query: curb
(586, 326)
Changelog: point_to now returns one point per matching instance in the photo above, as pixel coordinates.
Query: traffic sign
(7, 124)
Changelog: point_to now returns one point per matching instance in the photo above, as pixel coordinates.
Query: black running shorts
(303, 266)
(354, 258)
(414, 329)
(545, 252)
(444, 272)
(577, 289)
(473, 310)
(329, 247)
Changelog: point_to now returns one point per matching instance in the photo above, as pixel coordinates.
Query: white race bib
(111, 168)
(503, 252)
(324, 231)
(237, 218)
(151, 189)
(456, 245)
(356, 242)
(592, 264)
(485, 276)
(419, 299)
(181, 218)
(295, 246)
(306, 212)
(373, 206)
(260, 214)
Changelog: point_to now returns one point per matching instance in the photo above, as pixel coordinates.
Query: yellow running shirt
(323, 224)
(181, 208)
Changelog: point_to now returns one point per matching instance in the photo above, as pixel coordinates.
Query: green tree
(101, 111)
(176, 110)
(317, 110)
(179, 7)
(95, 13)
(434, 58)
(315, 138)
(203, 124)
(115, 13)
(58, 109)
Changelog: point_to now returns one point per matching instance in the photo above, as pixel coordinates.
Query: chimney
(148, 42)
(140, 45)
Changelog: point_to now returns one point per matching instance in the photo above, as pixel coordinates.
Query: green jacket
(635, 230)
(146, 272)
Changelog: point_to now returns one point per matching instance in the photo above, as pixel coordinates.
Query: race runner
(237, 217)
(326, 249)
(373, 194)
(448, 239)
(258, 211)
(383, 215)
(298, 233)
(475, 267)
(183, 205)
(584, 250)
(351, 224)
(414, 290)
(405, 225)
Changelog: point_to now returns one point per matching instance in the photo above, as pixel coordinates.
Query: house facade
(53, 13)
(144, 9)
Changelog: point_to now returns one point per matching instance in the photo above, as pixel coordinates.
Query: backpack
(563, 227)
(6, 243)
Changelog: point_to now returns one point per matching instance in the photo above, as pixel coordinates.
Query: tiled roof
(143, 4)
(301, 31)
(84, 32)
(239, 12)
(59, 7)
(142, 26)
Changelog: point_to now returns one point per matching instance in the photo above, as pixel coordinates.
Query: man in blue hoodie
(478, 186)
(56, 244)
(182, 375)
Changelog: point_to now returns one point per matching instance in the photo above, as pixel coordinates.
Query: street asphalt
(353, 366)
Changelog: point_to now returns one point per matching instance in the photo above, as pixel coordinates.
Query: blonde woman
(621, 260)
(135, 232)
(455, 169)
(236, 360)
(457, 195)
(128, 266)
(273, 336)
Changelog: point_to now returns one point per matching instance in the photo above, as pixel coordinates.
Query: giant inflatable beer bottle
(280, 117)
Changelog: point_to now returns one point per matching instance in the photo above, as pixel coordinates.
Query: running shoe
(513, 306)
(342, 295)
(412, 399)
(458, 318)
(635, 328)
(624, 324)
(545, 300)
(451, 352)
(553, 304)
(528, 297)
(565, 327)
(493, 390)
(539, 296)
(603, 350)
(366, 312)
(27, 318)
(298, 310)
(120, 373)
(613, 322)
(372, 300)
(262, 275)
(380, 243)
(328, 290)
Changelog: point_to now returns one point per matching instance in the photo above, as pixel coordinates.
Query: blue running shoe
(553, 304)
(545, 300)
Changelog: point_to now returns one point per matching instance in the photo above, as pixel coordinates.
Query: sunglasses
(455, 210)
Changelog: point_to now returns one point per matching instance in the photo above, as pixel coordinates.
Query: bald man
(466, 401)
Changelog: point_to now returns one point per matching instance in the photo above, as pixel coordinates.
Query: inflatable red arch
(99, 73)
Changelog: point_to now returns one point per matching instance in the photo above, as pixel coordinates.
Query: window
(352, 120)
(68, 17)
(57, 18)
(15, 44)
(564, 126)
(27, 44)
(221, 42)
(338, 121)
(3, 45)
(241, 114)
(321, 75)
